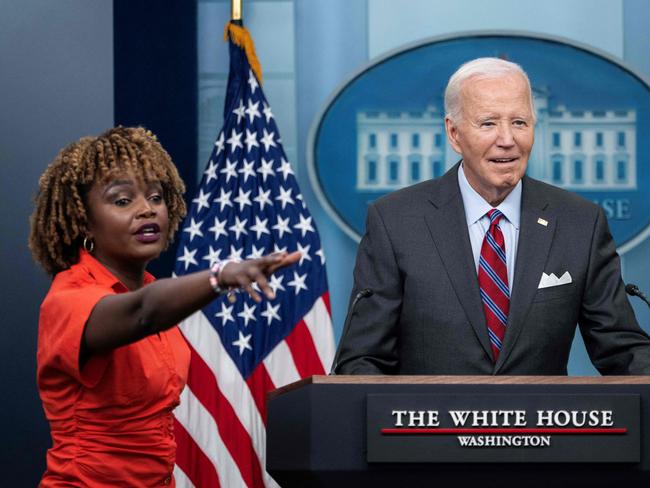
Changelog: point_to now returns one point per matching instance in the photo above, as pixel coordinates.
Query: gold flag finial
(236, 10)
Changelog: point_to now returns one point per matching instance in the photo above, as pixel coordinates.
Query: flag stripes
(206, 358)
(248, 205)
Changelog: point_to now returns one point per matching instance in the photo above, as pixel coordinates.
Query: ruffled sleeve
(63, 317)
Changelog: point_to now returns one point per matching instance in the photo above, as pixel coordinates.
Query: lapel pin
(543, 222)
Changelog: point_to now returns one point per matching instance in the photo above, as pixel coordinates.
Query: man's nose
(505, 137)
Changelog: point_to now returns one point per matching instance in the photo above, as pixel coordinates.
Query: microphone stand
(365, 293)
(633, 290)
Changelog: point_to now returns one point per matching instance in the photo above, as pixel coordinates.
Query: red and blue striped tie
(493, 282)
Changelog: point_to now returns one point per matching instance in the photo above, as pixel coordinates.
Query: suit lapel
(446, 223)
(532, 252)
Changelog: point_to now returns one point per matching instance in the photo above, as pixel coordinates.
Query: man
(461, 288)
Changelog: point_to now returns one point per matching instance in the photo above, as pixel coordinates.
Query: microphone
(365, 293)
(633, 290)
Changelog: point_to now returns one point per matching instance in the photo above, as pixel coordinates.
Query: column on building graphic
(537, 161)
(587, 150)
(590, 150)
(396, 149)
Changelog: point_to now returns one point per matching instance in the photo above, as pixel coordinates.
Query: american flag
(248, 205)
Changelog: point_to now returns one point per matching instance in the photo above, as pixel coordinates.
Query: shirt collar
(476, 206)
(102, 274)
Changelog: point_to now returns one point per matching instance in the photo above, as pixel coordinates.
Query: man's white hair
(481, 68)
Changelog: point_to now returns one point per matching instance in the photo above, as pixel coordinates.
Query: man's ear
(452, 134)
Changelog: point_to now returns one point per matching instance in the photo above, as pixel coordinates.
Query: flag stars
(285, 168)
(243, 199)
(211, 171)
(260, 227)
(276, 283)
(247, 170)
(302, 200)
(298, 282)
(282, 226)
(239, 111)
(267, 140)
(252, 110)
(235, 140)
(277, 248)
(194, 229)
(285, 197)
(271, 313)
(251, 140)
(263, 199)
(219, 143)
(247, 314)
(188, 257)
(321, 255)
(224, 199)
(255, 252)
(235, 254)
(202, 200)
(267, 113)
(304, 225)
(266, 169)
(239, 227)
(212, 256)
(304, 253)
(229, 170)
(243, 342)
(252, 81)
(219, 228)
(226, 314)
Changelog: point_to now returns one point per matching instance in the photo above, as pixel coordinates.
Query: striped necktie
(493, 282)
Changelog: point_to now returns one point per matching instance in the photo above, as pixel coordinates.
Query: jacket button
(167, 480)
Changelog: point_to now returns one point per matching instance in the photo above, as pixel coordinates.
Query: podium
(381, 431)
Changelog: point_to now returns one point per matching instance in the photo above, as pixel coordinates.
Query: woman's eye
(156, 198)
(122, 202)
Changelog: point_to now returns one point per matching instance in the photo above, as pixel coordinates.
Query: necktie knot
(495, 216)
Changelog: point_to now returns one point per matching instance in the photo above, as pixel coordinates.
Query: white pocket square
(549, 280)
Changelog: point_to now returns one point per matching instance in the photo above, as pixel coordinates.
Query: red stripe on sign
(560, 430)
(235, 437)
(191, 459)
(260, 383)
(303, 350)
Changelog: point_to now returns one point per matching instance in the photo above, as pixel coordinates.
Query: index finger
(286, 260)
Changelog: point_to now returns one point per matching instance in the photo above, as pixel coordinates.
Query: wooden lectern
(406, 431)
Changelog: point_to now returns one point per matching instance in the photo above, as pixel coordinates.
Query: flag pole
(236, 12)
(235, 32)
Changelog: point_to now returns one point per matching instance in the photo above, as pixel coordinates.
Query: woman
(111, 363)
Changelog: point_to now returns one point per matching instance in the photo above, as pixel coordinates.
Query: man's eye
(520, 123)
(488, 123)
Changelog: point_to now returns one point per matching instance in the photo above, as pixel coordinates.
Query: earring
(88, 244)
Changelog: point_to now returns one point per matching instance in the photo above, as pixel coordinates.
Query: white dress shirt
(478, 223)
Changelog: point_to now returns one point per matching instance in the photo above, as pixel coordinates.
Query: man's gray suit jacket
(426, 315)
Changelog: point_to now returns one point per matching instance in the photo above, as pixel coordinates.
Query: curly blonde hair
(60, 219)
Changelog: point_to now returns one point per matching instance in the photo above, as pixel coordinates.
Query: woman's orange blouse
(111, 420)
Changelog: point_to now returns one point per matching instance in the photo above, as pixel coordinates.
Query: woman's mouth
(148, 233)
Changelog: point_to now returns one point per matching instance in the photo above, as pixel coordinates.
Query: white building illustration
(587, 150)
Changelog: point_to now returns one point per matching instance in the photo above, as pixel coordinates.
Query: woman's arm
(121, 319)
